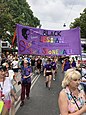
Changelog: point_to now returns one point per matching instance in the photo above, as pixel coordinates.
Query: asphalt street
(43, 101)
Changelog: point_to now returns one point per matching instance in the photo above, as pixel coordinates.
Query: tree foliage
(13, 12)
(80, 22)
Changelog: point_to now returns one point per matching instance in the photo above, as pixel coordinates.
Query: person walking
(26, 73)
(54, 68)
(6, 90)
(39, 63)
(73, 63)
(33, 64)
(13, 79)
(66, 65)
(48, 73)
(72, 98)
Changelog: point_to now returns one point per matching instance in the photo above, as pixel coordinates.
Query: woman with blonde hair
(72, 98)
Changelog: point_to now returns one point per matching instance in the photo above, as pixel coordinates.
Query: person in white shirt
(15, 65)
(6, 89)
(12, 78)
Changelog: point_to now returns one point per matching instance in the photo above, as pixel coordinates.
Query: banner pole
(81, 64)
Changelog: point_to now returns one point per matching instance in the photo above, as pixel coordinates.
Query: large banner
(37, 41)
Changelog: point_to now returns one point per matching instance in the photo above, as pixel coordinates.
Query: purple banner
(37, 41)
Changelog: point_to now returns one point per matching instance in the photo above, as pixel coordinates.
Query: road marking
(34, 81)
(32, 84)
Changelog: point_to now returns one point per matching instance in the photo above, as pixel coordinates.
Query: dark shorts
(38, 67)
(15, 70)
(54, 68)
(48, 73)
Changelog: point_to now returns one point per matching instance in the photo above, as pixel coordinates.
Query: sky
(54, 13)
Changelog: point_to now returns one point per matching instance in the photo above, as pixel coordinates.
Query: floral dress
(78, 103)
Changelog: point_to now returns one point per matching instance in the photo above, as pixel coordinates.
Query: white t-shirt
(6, 88)
(15, 64)
(11, 74)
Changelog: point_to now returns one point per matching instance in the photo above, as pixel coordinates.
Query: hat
(25, 61)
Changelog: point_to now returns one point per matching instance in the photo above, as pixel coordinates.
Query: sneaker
(53, 79)
(22, 104)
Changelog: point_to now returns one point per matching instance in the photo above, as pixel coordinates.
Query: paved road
(43, 101)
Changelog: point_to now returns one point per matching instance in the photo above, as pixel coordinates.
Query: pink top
(80, 100)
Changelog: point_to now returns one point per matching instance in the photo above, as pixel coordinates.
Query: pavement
(42, 100)
(18, 88)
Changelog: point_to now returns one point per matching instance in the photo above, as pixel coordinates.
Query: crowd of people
(73, 89)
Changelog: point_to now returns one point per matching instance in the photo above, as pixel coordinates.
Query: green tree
(13, 12)
(80, 22)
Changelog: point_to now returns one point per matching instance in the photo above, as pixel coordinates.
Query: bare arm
(63, 105)
(14, 94)
(44, 71)
(63, 66)
(15, 79)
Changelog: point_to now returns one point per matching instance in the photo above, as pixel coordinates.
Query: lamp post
(64, 25)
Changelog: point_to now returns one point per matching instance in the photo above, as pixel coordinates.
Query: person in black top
(33, 64)
(39, 62)
(54, 67)
(73, 63)
(48, 73)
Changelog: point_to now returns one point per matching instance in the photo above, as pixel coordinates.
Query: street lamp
(64, 25)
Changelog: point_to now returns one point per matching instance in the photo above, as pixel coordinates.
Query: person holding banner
(72, 97)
